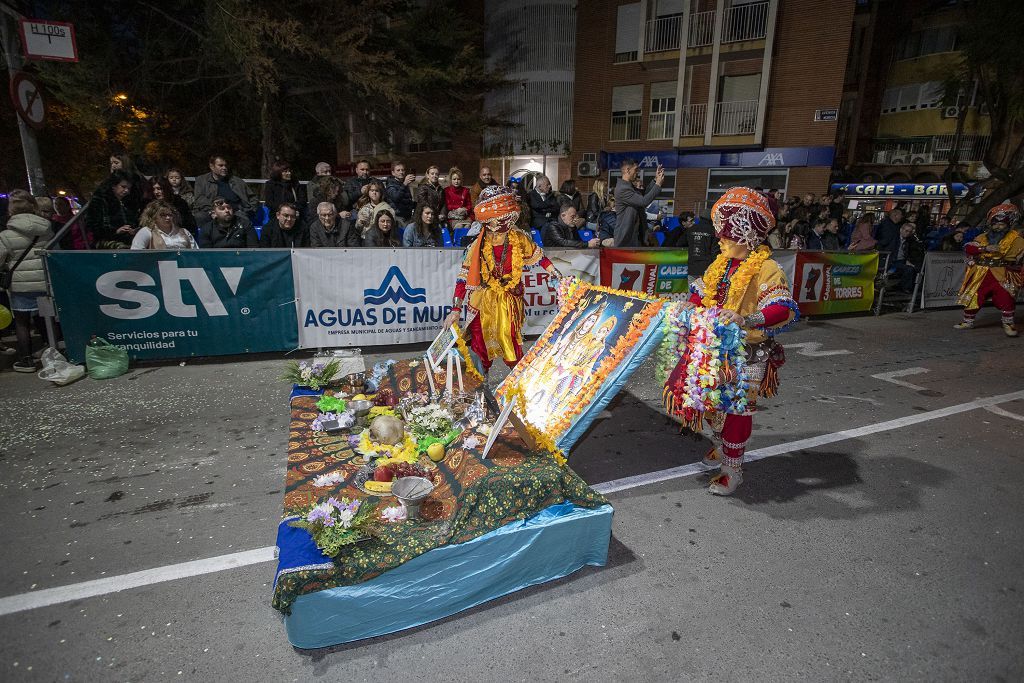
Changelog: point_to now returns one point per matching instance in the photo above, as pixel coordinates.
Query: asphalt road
(892, 553)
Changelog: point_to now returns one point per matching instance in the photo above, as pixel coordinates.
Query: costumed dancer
(492, 278)
(994, 269)
(753, 292)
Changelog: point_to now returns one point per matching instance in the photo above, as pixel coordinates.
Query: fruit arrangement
(397, 470)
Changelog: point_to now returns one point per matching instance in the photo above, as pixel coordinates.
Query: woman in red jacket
(457, 198)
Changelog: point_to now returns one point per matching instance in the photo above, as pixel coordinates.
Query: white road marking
(1004, 413)
(891, 377)
(88, 589)
(810, 349)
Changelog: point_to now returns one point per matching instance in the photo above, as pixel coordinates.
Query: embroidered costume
(994, 269)
(743, 279)
(491, 278)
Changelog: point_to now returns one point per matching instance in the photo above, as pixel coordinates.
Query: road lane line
(810, 349)
(891, 377)
(1004, 413)
(88, 589)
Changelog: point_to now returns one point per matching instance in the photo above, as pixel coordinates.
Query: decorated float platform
(503, 510)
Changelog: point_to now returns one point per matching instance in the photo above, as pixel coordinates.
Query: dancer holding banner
(752, 291)
(994, 269)
(491, 277)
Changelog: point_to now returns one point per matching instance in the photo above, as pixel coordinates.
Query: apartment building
(897, 126)
(719, 92)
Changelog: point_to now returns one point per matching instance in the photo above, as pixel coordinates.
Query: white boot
(729, 478)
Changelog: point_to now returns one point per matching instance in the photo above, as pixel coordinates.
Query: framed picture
(439, 348)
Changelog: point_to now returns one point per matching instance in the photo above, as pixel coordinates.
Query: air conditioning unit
(898, 159)
(921, 158)
(882, 156)
(950, 112)
(587, 169)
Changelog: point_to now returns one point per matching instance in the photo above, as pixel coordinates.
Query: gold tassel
(770, 383)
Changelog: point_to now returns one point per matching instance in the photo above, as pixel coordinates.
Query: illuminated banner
(918, 190)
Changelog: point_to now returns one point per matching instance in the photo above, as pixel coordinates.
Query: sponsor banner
(661, 272)
(399, 296)
(834, 282)
(919, 190)
(943, 275)
(165, 304)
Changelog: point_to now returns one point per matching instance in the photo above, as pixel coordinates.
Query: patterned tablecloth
(473, 495)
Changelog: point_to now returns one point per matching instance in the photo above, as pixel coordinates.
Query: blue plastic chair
(660, 236)
(446, 237)
(259, 231)
(262, 216)
(458, 235)
(585, 234)
(536, 237)
(670, 223)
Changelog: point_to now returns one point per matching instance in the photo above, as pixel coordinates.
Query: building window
(722, 179)
(928, 41)
(912, 97)
(661, 121)
(627, 33)
(416, 143)
(627, 101)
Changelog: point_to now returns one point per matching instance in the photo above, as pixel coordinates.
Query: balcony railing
(663, 33)
(735, 118)
(661, 126)
(693, 121)
(702, 29)
(936, 149)
(745, 22)
(626, 126)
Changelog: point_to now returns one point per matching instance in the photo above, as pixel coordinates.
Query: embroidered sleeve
(532, 254)
(775, 300)
(697, 287)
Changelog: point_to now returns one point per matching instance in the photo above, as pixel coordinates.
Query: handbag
(7, 275)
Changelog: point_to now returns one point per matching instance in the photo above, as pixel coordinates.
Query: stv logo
(388, 291)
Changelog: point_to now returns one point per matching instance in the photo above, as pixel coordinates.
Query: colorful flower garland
(750, 267)
(713, 359)
(490, 267)
(541, 439)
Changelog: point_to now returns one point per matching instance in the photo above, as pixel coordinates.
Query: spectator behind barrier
(631, 205)
(908, 257)
(140, 194)
(282, 187)
(224, 229)
(372, 198)
(943, 228)
(597, 203)
(797, 237)
(220, 182)
(182, 189)
(26, 235)
(862, 239)
(677, 238)
(956, 240)
(285, 230)
(314, 193)
(424, 230)
(430, 193)
(355, 187)
(486, 179)
(162, 189)
(109, 220)
(567, 193)
(458, 200)
(328, 230)
(701, 243)
(888, 231)
(160, 228)
(563, 232)
(398, 194)
(382, 232)
(543, 203)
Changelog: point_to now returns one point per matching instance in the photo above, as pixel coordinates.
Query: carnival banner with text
(834, 282)
(168, 304)
(661, 272)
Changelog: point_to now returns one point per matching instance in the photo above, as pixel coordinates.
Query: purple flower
(321, 513)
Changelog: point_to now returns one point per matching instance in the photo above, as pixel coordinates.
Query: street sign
(826, 114)
(28, 100)
(51, 40)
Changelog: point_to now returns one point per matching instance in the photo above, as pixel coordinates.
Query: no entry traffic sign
(53, 40)
(28, 100)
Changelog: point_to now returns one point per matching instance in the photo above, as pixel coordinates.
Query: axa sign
(135, 302)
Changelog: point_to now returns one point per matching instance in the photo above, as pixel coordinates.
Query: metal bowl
(411, 491)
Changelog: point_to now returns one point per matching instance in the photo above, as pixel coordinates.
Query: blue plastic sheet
(553, 543)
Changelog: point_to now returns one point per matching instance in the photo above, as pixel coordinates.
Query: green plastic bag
(103, 360)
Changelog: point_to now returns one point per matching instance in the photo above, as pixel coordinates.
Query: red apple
(383, 474)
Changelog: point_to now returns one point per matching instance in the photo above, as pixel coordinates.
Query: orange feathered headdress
(496, 201)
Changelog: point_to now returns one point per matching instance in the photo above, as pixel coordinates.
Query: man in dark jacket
(701, 243)
(223, 229)
(888, 233)
(285, 230)
(562, 232)
(354, 186)
(327, 230)
(631, 205)
(543, 203)
(220, 182)
(908, 257)
(398, 194)
(486, 179)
